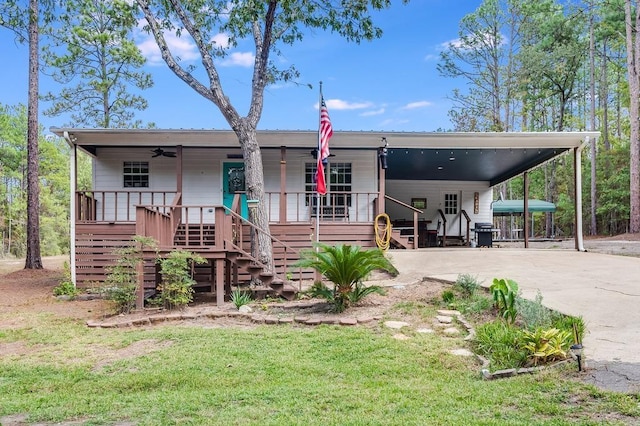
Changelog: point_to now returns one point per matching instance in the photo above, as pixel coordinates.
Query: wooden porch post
(382, 175)
(140, 230)
(283, 184)
(525, 210)
(219, 282)
(179, 168)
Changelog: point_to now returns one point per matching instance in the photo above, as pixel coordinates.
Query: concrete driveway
(604, 289)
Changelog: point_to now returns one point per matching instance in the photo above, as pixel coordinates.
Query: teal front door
(233, 183)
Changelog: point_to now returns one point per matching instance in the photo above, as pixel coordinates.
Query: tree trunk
(261, 249)
(33, 258)
(633, 51)
(604, 96)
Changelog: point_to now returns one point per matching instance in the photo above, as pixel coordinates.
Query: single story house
(186, 189)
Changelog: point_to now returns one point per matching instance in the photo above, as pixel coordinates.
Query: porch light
(382, 153)
(577, 350)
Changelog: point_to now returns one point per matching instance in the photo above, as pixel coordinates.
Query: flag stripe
(325, 133)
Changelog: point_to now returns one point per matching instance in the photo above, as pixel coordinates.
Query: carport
(514, 209)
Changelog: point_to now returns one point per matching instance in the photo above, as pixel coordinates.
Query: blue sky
(389, 84)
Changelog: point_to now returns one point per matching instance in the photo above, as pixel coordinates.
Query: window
(450, 203)
(136, 174)
(338, 184)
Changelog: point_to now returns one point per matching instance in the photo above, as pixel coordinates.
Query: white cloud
(221, 40)
(416, 105)
(456, 42)
(472, 40)
(338, 104)
(431, 57)
(180, 47)
(242, 59)
(371, 113)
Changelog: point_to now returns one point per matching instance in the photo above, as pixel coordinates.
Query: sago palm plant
(346, 266)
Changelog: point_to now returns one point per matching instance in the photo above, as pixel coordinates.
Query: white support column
(577, 170)
(73, 165)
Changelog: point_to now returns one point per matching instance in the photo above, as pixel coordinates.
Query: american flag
(326, 131)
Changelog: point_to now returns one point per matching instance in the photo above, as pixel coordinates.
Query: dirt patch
(26, 293)
(107, 356)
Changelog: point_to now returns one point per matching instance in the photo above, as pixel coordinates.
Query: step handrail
(466, 216)
(415, 217)
(286, 247)
(444, 227)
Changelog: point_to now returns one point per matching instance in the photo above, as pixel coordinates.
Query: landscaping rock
(395, 324)
(444, 319)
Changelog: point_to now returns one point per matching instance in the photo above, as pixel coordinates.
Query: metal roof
(492, 157)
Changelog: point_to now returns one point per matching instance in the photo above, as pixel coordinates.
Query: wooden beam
(283, 184)
(219, 282)
(179, 168)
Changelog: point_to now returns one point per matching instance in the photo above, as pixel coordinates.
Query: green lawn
(277, 375)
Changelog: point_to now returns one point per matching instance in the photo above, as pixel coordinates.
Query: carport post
(525, 210)
(577, 180)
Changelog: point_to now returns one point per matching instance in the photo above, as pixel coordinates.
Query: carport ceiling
(489, 165)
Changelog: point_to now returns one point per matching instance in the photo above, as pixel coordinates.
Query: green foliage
(98, 65)
(533, 313)
(571, 324)
(246, 374)
(54, 187)
(467, 284)
(346, 267)
(500, 343)
(448, 296)
(240, 298)
(505, 292)
(66, 286)
(121, 282)
(177, 282)
(546, 345)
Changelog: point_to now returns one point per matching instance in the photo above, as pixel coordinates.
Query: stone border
(222, 313)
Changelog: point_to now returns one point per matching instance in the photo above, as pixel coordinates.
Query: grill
(484, 234)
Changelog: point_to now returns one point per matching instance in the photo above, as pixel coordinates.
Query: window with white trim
(339, 180)
(451, 203)
(135, 174)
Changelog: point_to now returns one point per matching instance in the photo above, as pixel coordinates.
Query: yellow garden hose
(383, 235)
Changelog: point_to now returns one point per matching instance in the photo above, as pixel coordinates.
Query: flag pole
(318, 155)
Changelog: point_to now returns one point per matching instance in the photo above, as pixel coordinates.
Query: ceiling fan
(161, 152)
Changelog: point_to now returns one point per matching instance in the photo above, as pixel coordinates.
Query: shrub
(533, 313)
(240, 298)
(346, 266)
(573, 325)
(448, 296)
(500, 343)
(504, 292)
(66, 286)
(121, 284)
(177, 282)
(467, 284)
(546, 345)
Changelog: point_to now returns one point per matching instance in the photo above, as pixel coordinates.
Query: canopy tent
(516, 207)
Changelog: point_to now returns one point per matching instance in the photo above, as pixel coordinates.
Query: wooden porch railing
(117, 206)
(120, 206)
(343, 206)
(155, 224)
(415, 217)
(227, 225)
(466, 216)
